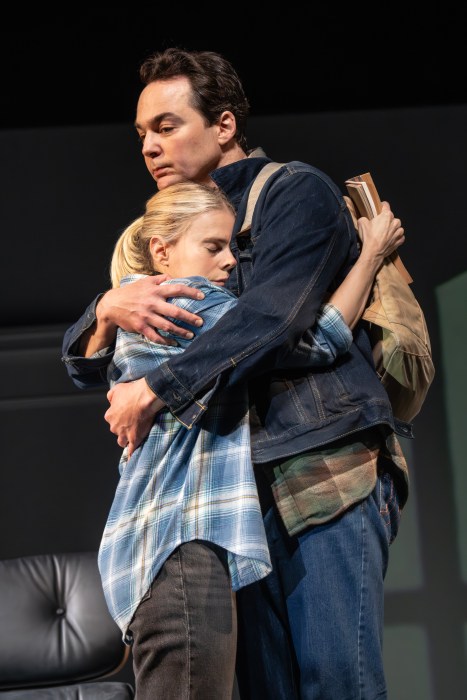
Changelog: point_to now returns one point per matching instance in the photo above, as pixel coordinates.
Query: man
(330, 473)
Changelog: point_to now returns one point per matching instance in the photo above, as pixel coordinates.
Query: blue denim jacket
(301, 244)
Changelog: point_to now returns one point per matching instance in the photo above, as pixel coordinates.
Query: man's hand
(140, 307)
(131, 414)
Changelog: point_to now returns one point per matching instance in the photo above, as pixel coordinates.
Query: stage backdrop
(66, 195)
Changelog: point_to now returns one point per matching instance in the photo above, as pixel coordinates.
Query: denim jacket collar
(233, 179)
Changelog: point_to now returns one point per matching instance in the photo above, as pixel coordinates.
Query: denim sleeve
(91, 372)
(85, 372)
(305, 241)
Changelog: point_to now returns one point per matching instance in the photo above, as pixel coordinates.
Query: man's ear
(159, 251)
(227, 126)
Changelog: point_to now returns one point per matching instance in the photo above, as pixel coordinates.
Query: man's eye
(165, 129)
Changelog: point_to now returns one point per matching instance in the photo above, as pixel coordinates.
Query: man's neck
(231, 154)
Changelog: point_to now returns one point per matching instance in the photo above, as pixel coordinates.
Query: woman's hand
(380, 236)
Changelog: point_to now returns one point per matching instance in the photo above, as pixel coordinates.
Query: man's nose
(151, 145)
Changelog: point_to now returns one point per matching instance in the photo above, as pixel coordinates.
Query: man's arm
(141, 307)
(307, 238)
(290, 300)
(216, 302)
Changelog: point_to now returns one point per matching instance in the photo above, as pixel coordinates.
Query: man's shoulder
(297, 173)
(291, 165)
(301, 167)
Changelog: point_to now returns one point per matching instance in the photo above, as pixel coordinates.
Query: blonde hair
(168, 214)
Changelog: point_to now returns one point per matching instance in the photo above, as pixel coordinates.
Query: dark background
(77, 65)
(346, 90)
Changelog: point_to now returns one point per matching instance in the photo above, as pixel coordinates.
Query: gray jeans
(185, 631)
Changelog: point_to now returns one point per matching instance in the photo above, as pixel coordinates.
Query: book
(364, 195)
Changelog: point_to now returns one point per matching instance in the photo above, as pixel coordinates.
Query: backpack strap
(255, 190)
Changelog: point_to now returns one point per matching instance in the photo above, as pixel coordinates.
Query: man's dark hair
(215, 84)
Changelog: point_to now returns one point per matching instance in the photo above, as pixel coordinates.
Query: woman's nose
(230, 262)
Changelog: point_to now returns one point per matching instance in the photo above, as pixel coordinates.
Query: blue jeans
(313, 628)
(184, 631)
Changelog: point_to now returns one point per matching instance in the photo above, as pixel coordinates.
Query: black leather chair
(57, 638)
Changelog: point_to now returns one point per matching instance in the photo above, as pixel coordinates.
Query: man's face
(177, 143)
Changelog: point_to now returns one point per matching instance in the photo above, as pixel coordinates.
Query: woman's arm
(380, 236)
(331, 335)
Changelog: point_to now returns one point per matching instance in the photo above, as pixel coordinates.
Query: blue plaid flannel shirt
(184, 484)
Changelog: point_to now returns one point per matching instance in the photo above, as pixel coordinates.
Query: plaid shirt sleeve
(330, 336)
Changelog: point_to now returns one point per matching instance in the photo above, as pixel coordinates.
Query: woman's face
(204, 248)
